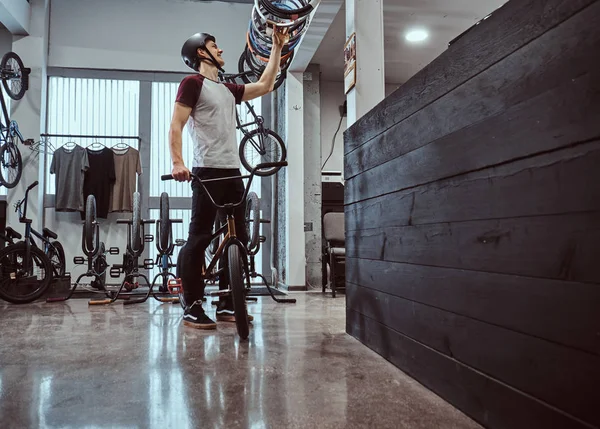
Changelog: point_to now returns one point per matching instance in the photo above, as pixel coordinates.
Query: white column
(365, 18)
(294, 183)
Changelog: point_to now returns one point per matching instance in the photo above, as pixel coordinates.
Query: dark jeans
(201, 225)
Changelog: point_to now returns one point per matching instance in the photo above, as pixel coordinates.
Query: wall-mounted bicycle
(15, 79)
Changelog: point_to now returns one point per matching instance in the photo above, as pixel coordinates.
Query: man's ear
(200, 50)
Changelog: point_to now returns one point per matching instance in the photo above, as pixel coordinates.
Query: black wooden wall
(473, 220)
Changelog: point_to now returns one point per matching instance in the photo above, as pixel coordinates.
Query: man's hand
(180, 173)
(280, 37)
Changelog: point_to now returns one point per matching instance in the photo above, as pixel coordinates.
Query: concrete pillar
(312, 176)
(365, 18)
(28, 113)
(295, 261)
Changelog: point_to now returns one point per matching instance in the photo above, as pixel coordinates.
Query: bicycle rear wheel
(257, 147)
(18, 285)
(164, 221)
(238, 291)
(136, 245)
(13, 71)
(11, 164)
(90, 224)
(56, 254)
(252, 220)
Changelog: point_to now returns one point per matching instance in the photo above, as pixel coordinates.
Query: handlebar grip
(33, 185)
(166, 177)
(271, 165)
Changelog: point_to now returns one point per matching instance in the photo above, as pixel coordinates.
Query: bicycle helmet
(189, 51)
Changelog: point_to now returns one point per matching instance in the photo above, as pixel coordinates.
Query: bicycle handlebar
(264, 165)
(23, 215)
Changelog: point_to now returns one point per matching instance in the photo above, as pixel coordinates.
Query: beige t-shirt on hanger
(127, 167)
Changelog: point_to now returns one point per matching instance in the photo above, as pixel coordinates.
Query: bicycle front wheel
(11, 165)
(238, 291)
(20, 284)
(257, 147)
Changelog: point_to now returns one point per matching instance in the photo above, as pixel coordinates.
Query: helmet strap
(212, 60)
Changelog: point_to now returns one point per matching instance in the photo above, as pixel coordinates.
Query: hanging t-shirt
(127, 167)
(69, 166)
(99, 179)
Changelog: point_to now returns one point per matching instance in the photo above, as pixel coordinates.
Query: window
(94, 107)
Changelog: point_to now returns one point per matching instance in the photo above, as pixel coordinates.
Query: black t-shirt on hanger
(99, 179)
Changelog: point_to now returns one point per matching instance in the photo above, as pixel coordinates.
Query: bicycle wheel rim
(236, 273)
(11, 165)
(19, 287)
(11, 64)
(257, 148)
(286, 12)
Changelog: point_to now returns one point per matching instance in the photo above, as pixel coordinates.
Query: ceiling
(443, 19)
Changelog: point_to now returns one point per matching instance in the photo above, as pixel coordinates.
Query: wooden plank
(558, 247)
(564, 53)
(507, 30)
(558, 118)
(559, 311)
(554, 183)
(561, 376)
(491, 403)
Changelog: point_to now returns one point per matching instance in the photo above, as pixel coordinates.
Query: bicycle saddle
(11, 234)
(50, 234)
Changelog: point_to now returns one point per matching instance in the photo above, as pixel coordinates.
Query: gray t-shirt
(69, 166)
(212, 123)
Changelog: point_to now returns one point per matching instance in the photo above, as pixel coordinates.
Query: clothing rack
(46, 147)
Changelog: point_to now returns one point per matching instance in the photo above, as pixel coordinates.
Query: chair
(335, 250)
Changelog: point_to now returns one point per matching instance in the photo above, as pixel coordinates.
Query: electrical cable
(333, 142)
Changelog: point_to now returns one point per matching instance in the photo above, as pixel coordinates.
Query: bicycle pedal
(148, 238)
(223, 292)
(179, 242)
(262, 239)
(115, 272)
(148, 264)
(175, 286)
(114, 251)
(79, 260)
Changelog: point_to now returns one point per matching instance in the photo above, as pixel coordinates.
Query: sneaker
(195, 317)
(225, 311)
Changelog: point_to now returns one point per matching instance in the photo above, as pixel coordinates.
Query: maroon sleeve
(237, 91)
(189, 91)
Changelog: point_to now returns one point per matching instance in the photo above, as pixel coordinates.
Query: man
(208, 107)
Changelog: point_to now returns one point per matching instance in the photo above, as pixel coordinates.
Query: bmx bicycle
(232, 253)
(15, 79)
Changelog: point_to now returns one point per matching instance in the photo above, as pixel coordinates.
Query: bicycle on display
(165, 247)
(15, 79)
(25, 270)
(259, 144)
(130, 266)
(232, 253)
(94, 250)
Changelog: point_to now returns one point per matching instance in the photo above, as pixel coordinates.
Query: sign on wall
(350, 63)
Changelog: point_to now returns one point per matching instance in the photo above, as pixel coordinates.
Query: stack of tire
(290, 15)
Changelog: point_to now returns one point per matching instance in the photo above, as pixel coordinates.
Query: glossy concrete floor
(67, 365)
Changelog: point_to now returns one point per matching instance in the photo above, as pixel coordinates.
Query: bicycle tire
(279, 156)
(59, 267)
(252, 222)
(10, 161)
(20, 71)
(178, 275)
(164, 221)
(8, 268)
(238, 291)
(136, 238)
(90, 224)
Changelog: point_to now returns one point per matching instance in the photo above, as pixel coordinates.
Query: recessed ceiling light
(416, 35)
